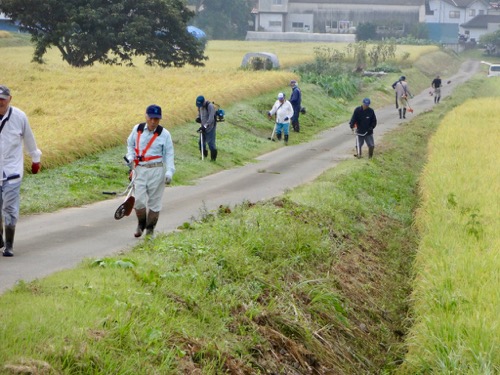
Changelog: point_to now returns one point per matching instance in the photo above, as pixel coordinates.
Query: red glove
(35, 167)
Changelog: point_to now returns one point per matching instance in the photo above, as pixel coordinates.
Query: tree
(223, 19)
(366, 31)
(109, 31)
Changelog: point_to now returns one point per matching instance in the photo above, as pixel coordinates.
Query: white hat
(281, 96)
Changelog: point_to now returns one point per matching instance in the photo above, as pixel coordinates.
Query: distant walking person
(395, 92)
(295, 101)
(15, 131)
(436, 85)
(150, 148)
(363, 121)
(402, 93)
(283, 110)
(208, 128)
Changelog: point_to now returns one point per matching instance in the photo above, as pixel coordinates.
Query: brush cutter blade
(125, 209)
(129, 205)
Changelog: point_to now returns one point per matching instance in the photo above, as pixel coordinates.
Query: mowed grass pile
(456, 301)
(313, 282)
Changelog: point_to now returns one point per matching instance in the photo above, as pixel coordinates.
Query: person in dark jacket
(363, 121)
(436, 85)
(295, 101)
(207, 130)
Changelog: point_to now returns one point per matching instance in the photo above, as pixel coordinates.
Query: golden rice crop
(79, 111)
(457, 293)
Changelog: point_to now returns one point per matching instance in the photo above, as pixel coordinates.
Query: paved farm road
(48, 243)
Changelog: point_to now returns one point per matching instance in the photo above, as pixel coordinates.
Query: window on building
(454, 14)
(297, 25)
(275, 23)
(472, 12)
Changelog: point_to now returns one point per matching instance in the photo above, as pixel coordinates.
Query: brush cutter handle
(109, 192)
(11, 177)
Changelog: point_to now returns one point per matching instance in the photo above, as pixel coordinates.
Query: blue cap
(153, 111)
(366, 101)
(199, 101)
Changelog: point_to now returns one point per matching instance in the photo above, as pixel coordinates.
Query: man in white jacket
(15, 131)
(283, 110)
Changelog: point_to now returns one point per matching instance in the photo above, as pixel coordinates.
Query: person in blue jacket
(296, 102)
(363, 121)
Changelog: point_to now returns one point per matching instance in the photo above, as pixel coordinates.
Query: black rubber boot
(151, 224)
(400, 113)
(213, 155)
(404, 112)
(296, 126)
(370, 152)
(141, 221)
(278, 137)
(205, 153)
(286, 139)
(10, 230)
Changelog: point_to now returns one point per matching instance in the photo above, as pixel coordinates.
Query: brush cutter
(125, 209)
(201, 146)
(409, 109)
(271, 138)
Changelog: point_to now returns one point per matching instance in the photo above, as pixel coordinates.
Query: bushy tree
(366, 31)
(223, 19)
(109, 31)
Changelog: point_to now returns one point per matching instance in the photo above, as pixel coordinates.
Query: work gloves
(201, 130)
(198, 120)
(168, 180)
(35, 167)
(286, 119)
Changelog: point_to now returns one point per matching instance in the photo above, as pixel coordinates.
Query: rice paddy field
(75, 112)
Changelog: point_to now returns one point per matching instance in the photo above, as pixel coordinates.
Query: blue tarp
(197, 33)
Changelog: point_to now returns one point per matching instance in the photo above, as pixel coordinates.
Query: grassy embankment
(312, 281)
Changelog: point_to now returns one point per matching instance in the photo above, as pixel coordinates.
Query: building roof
(465, 3)
(361, 2)
(482, 21)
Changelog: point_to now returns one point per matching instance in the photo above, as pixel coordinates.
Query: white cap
(281, 95)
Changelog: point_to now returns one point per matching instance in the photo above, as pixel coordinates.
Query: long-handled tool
(125, 209)
(201, 146)
(410, 109)
(271, 138)
(11, 177)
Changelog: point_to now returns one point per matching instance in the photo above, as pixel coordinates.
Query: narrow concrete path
(51, 242)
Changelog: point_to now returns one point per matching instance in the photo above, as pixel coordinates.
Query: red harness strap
(142, 156)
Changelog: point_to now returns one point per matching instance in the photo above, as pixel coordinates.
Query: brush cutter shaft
(11, 177)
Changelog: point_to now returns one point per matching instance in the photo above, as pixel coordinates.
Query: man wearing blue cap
(363, 121)
(207, 130)
(150, 149)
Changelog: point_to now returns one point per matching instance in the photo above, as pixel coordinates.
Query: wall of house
(271, 22)
(442, 12)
